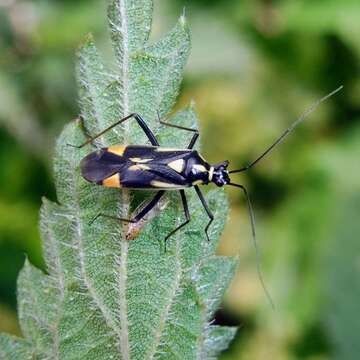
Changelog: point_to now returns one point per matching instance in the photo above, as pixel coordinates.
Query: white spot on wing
(139, 160)
(177, 165)
(164, 185)
(200, 168)
(164, 149)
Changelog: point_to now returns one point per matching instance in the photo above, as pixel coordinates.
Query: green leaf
(104, 297)
(12, 348)
(37, 308)
(216, 340)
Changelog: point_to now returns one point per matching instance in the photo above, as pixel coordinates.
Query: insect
(152, 167)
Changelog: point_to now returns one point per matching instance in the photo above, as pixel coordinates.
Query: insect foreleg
(186, 213)
(207, 209)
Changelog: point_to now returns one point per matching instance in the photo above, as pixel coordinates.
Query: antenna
(255, 242)
(282, 137)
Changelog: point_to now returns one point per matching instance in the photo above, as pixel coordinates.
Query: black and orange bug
(157, 168)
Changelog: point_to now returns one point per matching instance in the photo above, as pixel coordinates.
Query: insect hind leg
(145, 210)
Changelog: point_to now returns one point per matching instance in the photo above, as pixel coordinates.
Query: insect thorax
(197, 169)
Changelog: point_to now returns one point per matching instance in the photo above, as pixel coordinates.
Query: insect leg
(146, 209)
(187, 216)
(207, 209)
(139, 120)
(193, 139)
(149, 206)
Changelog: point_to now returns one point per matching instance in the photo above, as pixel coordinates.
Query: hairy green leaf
(104, 297)
(12, 348)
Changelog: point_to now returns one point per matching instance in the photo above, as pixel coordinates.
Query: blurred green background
(255, 67)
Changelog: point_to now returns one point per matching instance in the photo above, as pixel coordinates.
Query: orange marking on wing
(117, 149)
(112, 181)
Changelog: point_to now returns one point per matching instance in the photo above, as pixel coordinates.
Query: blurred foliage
(341, 283)
(255, 66)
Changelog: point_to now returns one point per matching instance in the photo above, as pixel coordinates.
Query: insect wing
(150, 168)
(139, 167)
(101, 165)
